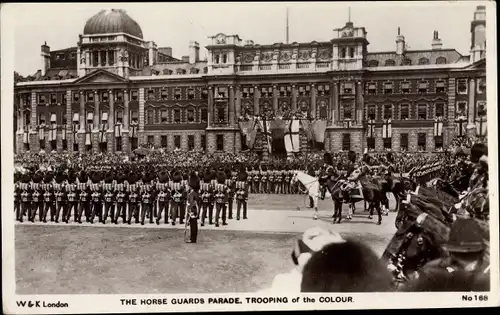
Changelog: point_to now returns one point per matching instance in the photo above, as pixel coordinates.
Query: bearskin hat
(194, 181)
(207, 177)
(351, 156)
(221, 177)
(228, 173)
(264, 167)
(242, 175)
(327, 158)
(25, 178)
(177, 177)
(60, 177)
(163, 177)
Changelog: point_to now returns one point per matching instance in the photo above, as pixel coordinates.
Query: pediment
(101, 76)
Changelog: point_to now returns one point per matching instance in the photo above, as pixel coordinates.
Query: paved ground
(242, 256)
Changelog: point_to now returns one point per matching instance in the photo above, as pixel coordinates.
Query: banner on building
(481, 127)
(41, 132)
(319, 128)
(307, 126)
(88, 134)
(26, 135)
(371, 129)
(118, 130)
(461, 126)
(102, 132)
(134, 132)
(292, 142)
(53, 132)
(387, 129)
(265, 126)
(438, 127)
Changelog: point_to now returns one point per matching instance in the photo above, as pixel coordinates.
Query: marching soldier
(241, 194)
(36, 197)
(17, 197)
(177, 192)
(256, 179)
(206, 199)
(109, 200)
(48, 197)
(263, 179)
(133, 199)
(230, 195)
(60, 198)
(147, 203)
(96, 197)
(193, 201)
(221, 191)
(72, 197)
(25, 199)
(163, 197)
(121, 200)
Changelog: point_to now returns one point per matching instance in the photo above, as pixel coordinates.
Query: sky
(176, 24)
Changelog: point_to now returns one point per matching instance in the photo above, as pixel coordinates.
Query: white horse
(312, 188)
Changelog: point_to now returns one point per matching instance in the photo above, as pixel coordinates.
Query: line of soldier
(129, 196)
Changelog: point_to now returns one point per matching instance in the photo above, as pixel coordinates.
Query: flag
(387, 129)
(133, 134)
(252, 133)
(265, 125)
(118, 130)
(371, 128)
(53, 132)
(88, 134)
(41, 132)
(319, 128)
(64, 132)
(481, 126)
(438, 127)
(307, 127)
(292, 143)
(102, 132)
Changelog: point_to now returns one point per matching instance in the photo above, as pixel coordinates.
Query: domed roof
(112, 21)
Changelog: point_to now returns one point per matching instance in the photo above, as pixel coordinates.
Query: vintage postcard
(197, 157)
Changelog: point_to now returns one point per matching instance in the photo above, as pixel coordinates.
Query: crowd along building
(115, 91)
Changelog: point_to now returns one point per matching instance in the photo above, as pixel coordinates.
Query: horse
(339, 197)
(311, 185)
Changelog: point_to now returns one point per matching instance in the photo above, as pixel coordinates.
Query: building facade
(115, 91)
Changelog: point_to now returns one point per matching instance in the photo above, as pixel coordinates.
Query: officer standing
(193, 201)
(207, 198)
(241, 194)
(221, 191)
(177, 194)
(163, 198)
(25, 198)
(96, 196)
(133, 199)
(230, 195)
(61, 198)
(109, 199)
(121, 199)
(72, 197)
(37, 197)
(147, 203)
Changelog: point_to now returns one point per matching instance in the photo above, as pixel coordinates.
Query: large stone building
(115, 91)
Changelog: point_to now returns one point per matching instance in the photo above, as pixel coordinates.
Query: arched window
(217, 59)
(441, 60)
(224, 58)
(423, 61)
(373, 63)
(390, 63)
(342, 53)
(194, 70)
(406, 62)
(181, 71)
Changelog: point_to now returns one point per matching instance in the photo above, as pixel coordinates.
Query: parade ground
(243, 256)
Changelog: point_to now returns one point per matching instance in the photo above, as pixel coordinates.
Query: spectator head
(465, 243)
(345, 267)
(477, 151)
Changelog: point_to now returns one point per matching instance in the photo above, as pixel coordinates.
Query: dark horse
(372, 194)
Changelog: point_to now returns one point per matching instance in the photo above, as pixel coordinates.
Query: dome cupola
(112, 21)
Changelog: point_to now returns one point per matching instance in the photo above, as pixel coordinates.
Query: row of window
(162, 94)
(90, 119)
(285, 91)
(404, 111)
(179, 71)
(387, 142)
(405, 87)
(165, 116)
(406, 62)
(190, 142)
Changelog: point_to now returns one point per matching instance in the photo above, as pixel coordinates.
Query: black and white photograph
(240, 156)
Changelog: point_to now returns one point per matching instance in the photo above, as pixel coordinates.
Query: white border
(111, 303)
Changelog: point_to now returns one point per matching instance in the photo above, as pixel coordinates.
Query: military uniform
(25, 200)
(241, 195)
(133, 203)
(72, 197)
(84, 198)
(163, 197)
(193, 202)
(109, 202)
(221, 191)
(178, 191)
(121, 203)
(230, 195)
(206, 199)
(37, 199)
(96, 197)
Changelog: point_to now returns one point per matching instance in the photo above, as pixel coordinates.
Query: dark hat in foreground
(177, 177)
(194, 182)
(465, 237)
(221, 177)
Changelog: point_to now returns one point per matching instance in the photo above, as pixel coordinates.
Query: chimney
(152, 53)
(166, 51)
(185, 58)
(194, 52)
(45, 53)
(436, 41)
(400, 43)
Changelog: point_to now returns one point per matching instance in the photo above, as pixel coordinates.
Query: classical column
(313, 101)
(20, 116)
(210, 105)
(359, 103)
(335, 102)
(126, 119)
(472, 105)
(111, 116)
(256, 96)
(69, 121)
(82, 111)
(99, 58)
(275, 98)
(238, 102)
(294, 97)
(231, 109)
(34, 117)
(141, 116)
(125, 131)
(97, 118)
